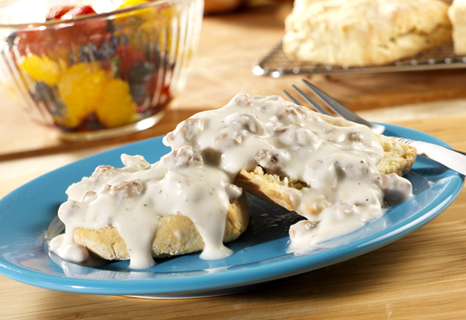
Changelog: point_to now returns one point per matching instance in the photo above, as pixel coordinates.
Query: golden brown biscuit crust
(176, 235)
(398, 158)
(364, 32)
(457, 15)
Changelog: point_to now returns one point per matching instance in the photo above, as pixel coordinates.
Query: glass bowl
(102, 74)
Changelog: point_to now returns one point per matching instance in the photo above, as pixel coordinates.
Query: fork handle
(450, 158)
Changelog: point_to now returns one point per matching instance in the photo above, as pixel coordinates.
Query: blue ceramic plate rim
(48, 190)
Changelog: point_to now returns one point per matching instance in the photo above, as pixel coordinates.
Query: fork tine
(295, 101)
(314, 104)
(336, 106)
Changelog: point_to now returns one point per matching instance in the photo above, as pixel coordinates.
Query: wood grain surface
(421, 276)
(230, 44)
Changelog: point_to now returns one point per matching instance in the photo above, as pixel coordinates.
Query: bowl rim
(47, 24)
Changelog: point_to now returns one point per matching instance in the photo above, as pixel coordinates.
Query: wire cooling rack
(276, 63)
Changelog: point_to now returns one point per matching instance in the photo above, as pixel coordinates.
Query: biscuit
(364, 32)
(457, 15)
(176, 235)
(398, 158)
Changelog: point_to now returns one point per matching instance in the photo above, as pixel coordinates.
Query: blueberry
(85, 53)
(141, 72)
(92, 122)
(91, 52)
(10, 39)
(138, 76)
(108, 46)
(138, 92)
(42, 93)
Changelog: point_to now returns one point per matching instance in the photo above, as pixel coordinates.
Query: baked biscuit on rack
(364, 32)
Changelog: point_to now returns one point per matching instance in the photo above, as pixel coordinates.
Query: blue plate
(260, 255)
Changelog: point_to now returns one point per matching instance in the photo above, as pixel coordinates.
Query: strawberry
(58, 11)
(127, 58)
(34, 41)
(82, 32)
(77, 11)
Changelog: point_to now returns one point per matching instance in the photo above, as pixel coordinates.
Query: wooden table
(422, 276)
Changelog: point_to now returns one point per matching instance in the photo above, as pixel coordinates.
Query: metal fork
(450, 158)
(336, 106)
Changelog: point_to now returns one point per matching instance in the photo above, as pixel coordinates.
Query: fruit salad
(97, 73)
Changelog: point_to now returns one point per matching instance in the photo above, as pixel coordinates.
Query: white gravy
(132, 199)
(335, 159)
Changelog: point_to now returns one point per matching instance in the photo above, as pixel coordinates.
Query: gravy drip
(133, 199)
(333, 160)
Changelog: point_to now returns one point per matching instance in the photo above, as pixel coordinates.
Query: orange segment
(41, 69)
(116, 107)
